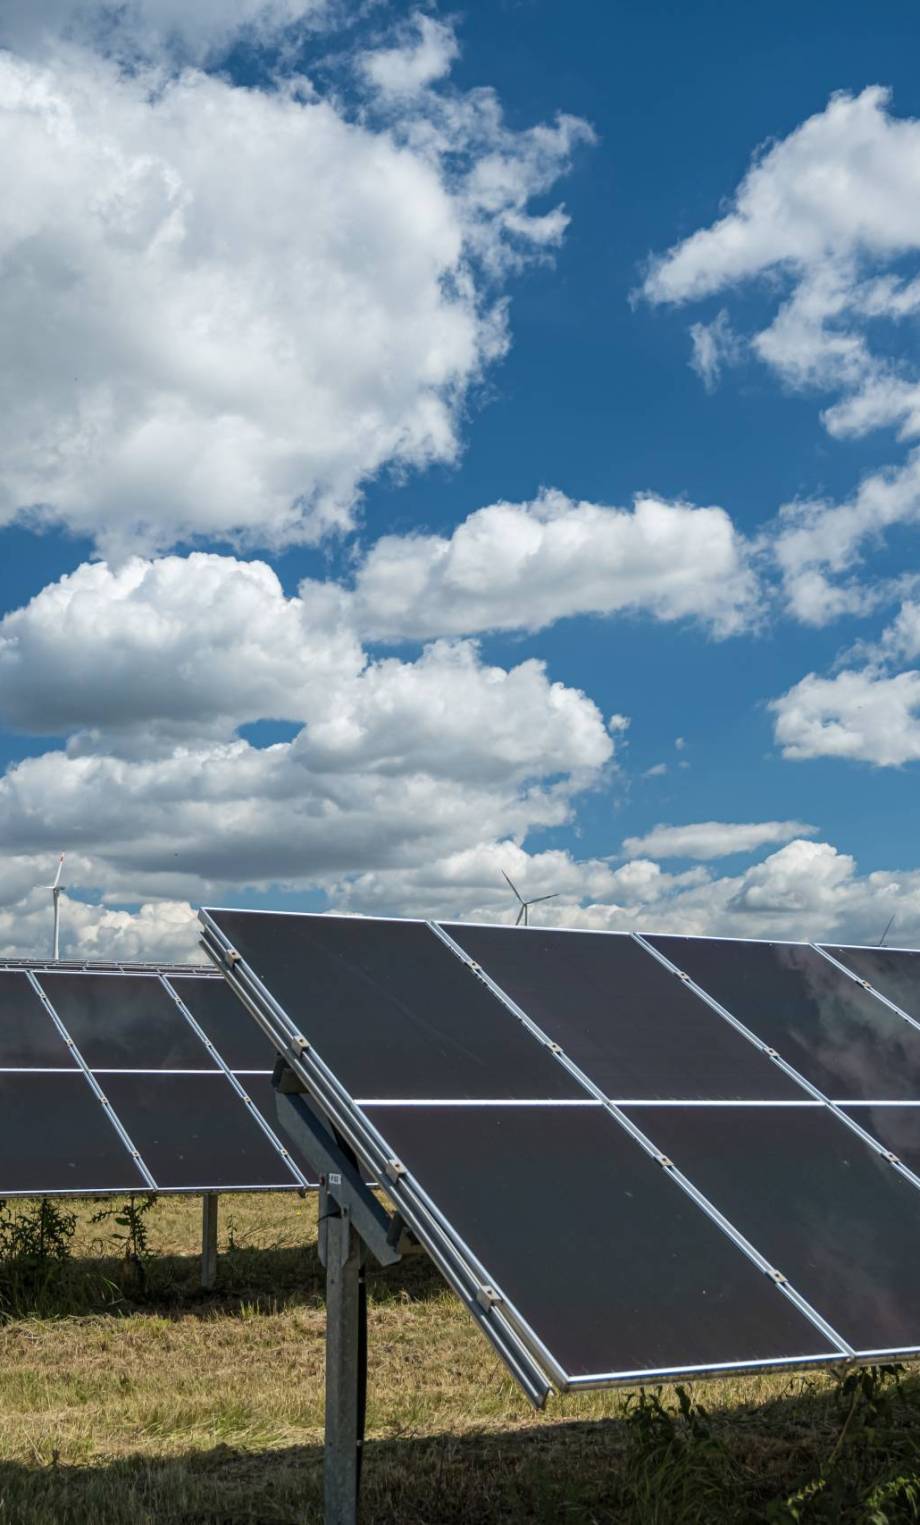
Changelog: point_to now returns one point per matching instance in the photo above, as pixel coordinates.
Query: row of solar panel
(627, 1137)
(637, 1033)
(131, 1082)
(393, 1011)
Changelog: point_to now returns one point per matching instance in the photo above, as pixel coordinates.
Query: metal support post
(346, 1361)
(209, 1239)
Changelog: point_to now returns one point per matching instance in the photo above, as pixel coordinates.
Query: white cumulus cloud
(515, 566)
(712, 839)
(863, 714)
(818, 546)
(232, 307)
(424, 54)
(824, 214)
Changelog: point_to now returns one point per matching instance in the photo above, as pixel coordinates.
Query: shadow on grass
(845, 1454)
(263, 1279)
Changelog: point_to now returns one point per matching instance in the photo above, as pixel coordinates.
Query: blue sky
(316, 330)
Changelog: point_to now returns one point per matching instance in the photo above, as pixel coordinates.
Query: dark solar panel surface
(893, 972)
(895, 1128)
(611, 1264)
(125, 1021)
(199, 1135)
(55, 1137)
(194, 1132)
(28, 1037)
(226, 1023)
(838, 1035)
(391, 1010)
(827, 1211)
(622, 1017)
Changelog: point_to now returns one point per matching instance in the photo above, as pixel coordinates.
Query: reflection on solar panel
(821, 1020)
(624, 1019)
(893, 972)
(119, 1079)
(693, 1103)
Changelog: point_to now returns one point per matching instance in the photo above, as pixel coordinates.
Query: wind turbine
(525, 904)
(881, 941)
(56, 889)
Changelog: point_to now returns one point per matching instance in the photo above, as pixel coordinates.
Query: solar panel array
(663, 1155)
(122, 1080)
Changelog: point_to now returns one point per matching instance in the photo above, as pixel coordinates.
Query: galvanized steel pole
(341, 1251)
(209, 1239)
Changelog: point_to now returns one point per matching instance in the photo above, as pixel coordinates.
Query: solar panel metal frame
(162, 973)
(455, 1259)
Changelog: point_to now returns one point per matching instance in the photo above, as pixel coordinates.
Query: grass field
(131, 1396)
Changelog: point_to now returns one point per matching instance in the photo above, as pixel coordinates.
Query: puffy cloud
(806, 890)
(822, 212)
(195, 645)
(152, 28)
(862, 714)
(187, 649)
(425, 54)
(816, 544)
(524, 565)
(151, 668)
(902, 637)
(712, 839)
(231, 307)
(162, 930)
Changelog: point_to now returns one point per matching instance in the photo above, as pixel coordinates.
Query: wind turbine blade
(60, 868)
(520, 914)
(881, 941)
(513, 886)
(538, 899)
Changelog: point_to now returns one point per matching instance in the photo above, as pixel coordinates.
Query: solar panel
(717, 1214)
(822, 1206)
(195, 1134)
(150, 1101)
(225, 1023)
(838, 1035)
(896, 1127)
(626, 1021)
(125, 1022)
(633, 1279)
(28, 1036)
(392, 1010)
(55, 1138)
(894, 972)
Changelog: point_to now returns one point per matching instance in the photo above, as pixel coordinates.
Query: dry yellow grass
(184, 1406)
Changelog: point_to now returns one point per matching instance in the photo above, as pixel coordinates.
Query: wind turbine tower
(56, 889)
